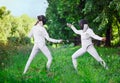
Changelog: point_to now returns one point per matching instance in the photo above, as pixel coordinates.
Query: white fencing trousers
(90, 49)
(35, 50)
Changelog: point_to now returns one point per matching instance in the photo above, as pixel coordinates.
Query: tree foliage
(103, 16)
(14, 29)
(59, 13)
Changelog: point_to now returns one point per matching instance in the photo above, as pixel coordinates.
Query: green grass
(62, 71)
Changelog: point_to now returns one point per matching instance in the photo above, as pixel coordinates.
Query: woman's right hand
(60, 41)
(104, 39)
(69, 25)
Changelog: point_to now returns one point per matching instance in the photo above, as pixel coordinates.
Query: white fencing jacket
(86, 35)
(39, 34)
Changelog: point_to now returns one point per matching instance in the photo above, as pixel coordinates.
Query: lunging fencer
(86, 41)
(39, 33)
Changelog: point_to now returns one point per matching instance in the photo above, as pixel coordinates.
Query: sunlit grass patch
(62, 71)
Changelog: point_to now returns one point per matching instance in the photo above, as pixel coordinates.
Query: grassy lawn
(62, 71)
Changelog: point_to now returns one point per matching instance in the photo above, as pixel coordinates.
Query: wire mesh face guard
(82, 22)
(42, 18)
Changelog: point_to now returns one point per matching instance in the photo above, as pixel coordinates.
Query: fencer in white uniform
(39, 33)
(86, 41)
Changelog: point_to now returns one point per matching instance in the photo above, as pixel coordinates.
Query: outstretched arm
(73, 28)
(51, 39)
(93, 35)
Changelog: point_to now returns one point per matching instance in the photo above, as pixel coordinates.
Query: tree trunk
(108, 36)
